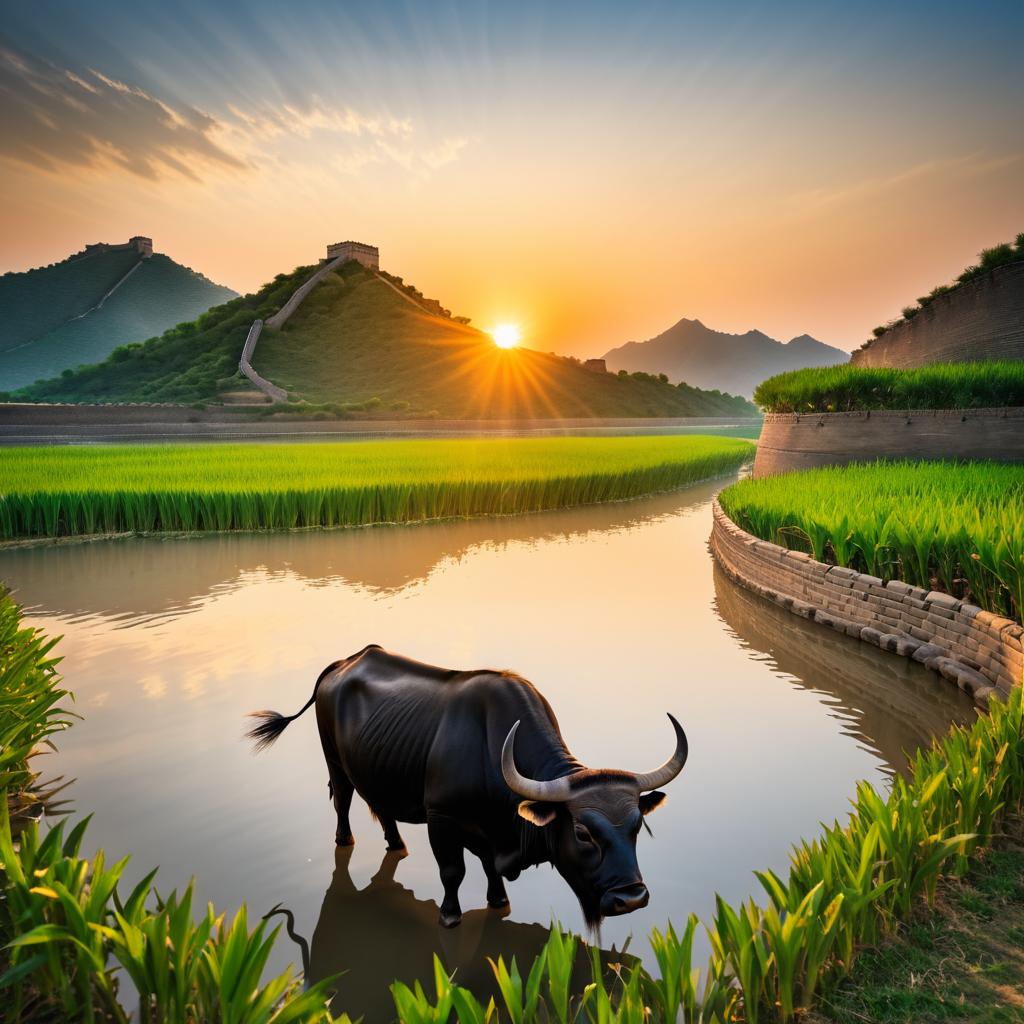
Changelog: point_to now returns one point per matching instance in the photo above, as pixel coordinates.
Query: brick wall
(979, 320)
(981, 652)
(791, 441)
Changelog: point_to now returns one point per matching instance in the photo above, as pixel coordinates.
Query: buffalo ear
(651, 801)
(537, 812)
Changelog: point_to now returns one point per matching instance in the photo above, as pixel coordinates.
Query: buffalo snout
(624, 900)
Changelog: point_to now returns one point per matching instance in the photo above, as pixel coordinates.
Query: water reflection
(149, 577)
(889, 705)
(355, 924)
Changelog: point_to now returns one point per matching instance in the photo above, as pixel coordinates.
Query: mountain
(363, 341)
(79, 310)
(707, 358)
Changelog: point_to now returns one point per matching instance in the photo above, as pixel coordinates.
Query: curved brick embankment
(981, 652)
(791, 441)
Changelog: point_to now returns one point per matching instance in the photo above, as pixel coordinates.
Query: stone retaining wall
(981, 652)
(980, 320)
(791, 441)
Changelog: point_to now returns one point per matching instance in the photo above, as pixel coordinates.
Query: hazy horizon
(591, 173)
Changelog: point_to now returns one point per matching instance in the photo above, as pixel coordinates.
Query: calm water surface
(615, 612)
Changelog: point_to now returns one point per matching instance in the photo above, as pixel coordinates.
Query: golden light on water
(506, 335)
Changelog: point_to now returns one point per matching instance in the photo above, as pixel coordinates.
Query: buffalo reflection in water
(383, 933)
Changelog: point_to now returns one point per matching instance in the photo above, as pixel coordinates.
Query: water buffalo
(478, 756)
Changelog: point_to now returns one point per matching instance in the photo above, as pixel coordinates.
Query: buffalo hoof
(447, 920)
(501, 908)
(348, 840)
(401, 850)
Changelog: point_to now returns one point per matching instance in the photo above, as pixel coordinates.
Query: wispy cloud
(53, 118)
(956, 168)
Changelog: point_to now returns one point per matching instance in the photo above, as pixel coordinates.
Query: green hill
(357, 341)
(57, 317)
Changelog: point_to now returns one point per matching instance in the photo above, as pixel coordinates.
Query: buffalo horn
(555, 791)
(671, 768)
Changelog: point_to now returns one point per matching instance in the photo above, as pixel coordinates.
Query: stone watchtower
(368, 255)
(142, 245)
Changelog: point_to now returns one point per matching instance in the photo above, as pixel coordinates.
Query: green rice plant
(30, 699)
(559, 957)
(845, 861)
(65, 931)
(800, 928)
(53, 492)
(676, 989)
(956, 527)
(599, 1005)
(521, 1000)
(913, 846)
(415, 1007)
(848, 387)
(738, 942)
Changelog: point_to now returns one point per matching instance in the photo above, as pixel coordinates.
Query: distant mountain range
(78, 311)
(364, 342)
(706, 358)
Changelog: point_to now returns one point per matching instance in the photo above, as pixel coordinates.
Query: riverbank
(30, 424)
(59, 492)
(962, 960)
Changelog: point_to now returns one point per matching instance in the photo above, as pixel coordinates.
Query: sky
(590, 171)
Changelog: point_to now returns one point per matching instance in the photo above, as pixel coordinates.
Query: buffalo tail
(272, 723)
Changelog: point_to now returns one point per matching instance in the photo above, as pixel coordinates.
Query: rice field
(939, 386)
(956, 527)
(65, 491)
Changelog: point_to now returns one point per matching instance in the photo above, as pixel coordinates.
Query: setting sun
(506, 335)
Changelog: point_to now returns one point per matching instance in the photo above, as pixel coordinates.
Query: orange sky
(592, 185)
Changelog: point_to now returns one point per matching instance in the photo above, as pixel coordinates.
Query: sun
(506, 335)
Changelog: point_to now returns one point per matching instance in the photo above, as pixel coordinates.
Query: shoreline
(22, 424)
(17, 543)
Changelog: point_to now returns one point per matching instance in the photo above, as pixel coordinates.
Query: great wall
(338, 253)
(978, 321)
(982, 319)
(139, 243)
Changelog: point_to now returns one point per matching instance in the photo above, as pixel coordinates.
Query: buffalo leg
(393, 838)
(341, 791)
(496, 895)
(446, 842)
